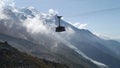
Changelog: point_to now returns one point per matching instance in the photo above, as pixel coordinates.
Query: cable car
(60, 28)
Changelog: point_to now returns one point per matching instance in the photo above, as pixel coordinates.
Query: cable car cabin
(60, 28)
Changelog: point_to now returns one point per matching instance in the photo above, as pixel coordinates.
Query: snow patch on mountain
(80, 25)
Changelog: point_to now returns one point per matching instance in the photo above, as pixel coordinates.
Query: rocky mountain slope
(12, 58)
(66, 56)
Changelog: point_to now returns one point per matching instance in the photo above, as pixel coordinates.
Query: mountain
(69, 56)
(104, 51)
(34, 32)
(115, 47)
(12, 58)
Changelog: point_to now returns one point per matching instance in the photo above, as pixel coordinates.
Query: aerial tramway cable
(93, 12)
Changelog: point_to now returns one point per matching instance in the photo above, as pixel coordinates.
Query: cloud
(103, 36)
(34, 25)
(3, 4)
(80, 25)
(116, 38)
(107, 36)
(52, 11)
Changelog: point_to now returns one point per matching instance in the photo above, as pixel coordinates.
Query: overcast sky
(99, 16)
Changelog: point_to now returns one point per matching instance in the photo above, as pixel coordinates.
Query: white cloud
(51, 11)
(34, 25)
(3, 4)
(116, 38)
(80, 25)
(107, 36)
(103, 36)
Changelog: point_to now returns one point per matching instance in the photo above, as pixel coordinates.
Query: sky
(102, 17)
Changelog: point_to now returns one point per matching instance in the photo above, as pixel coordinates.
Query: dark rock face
(12, 58)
